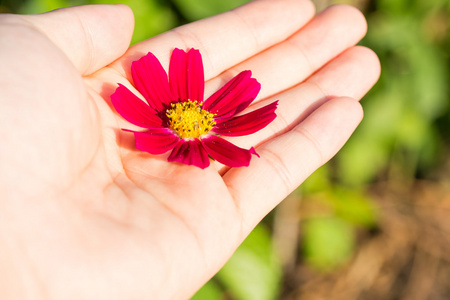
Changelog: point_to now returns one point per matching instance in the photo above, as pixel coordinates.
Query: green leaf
(41, 6)
(363, 157)
(412, 129)
(327, 242)
(210, 291)
(429, 79)
(354, 206)
(317, 181)
(151, 17)
(198, 9)
(253, 272)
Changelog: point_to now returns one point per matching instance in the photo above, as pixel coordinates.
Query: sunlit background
(374, 223)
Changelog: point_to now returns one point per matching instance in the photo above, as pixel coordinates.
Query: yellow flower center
(189, 119)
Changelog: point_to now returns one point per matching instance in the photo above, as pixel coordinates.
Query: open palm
(86, 215)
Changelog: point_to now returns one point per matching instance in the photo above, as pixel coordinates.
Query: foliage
(399, 132)
(253, 272)
(401, 136)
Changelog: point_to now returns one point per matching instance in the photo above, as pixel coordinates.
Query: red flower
(177, 119)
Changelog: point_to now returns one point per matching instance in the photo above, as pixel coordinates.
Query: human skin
(84, 215)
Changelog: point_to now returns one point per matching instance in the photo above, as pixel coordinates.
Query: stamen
(189, 119)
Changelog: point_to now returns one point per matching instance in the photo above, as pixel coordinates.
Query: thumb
(91, 36)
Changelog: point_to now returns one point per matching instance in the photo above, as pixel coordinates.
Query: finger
(351, 74)
(229, 38)
(292, 61)
(91, 36)
(289, 159)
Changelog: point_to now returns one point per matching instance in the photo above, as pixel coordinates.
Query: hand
(84, 215)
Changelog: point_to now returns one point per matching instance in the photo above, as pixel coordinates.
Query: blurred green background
(374, 223)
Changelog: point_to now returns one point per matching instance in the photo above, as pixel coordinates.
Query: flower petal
(133, 109)
(151, 81)
(186, 77)
(190, 152)
(155, 141)
(233, 97)
(248, 123)
(227, 153)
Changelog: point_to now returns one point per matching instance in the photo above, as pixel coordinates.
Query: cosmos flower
(176, 118)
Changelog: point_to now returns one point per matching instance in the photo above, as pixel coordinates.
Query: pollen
(189, 120)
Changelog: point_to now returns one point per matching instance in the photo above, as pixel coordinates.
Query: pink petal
(133, 109)
(227, 153)
(248, 123)
(190, 152)
(186, 78)
(155, 141)
(151, 81)
(233, 97)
